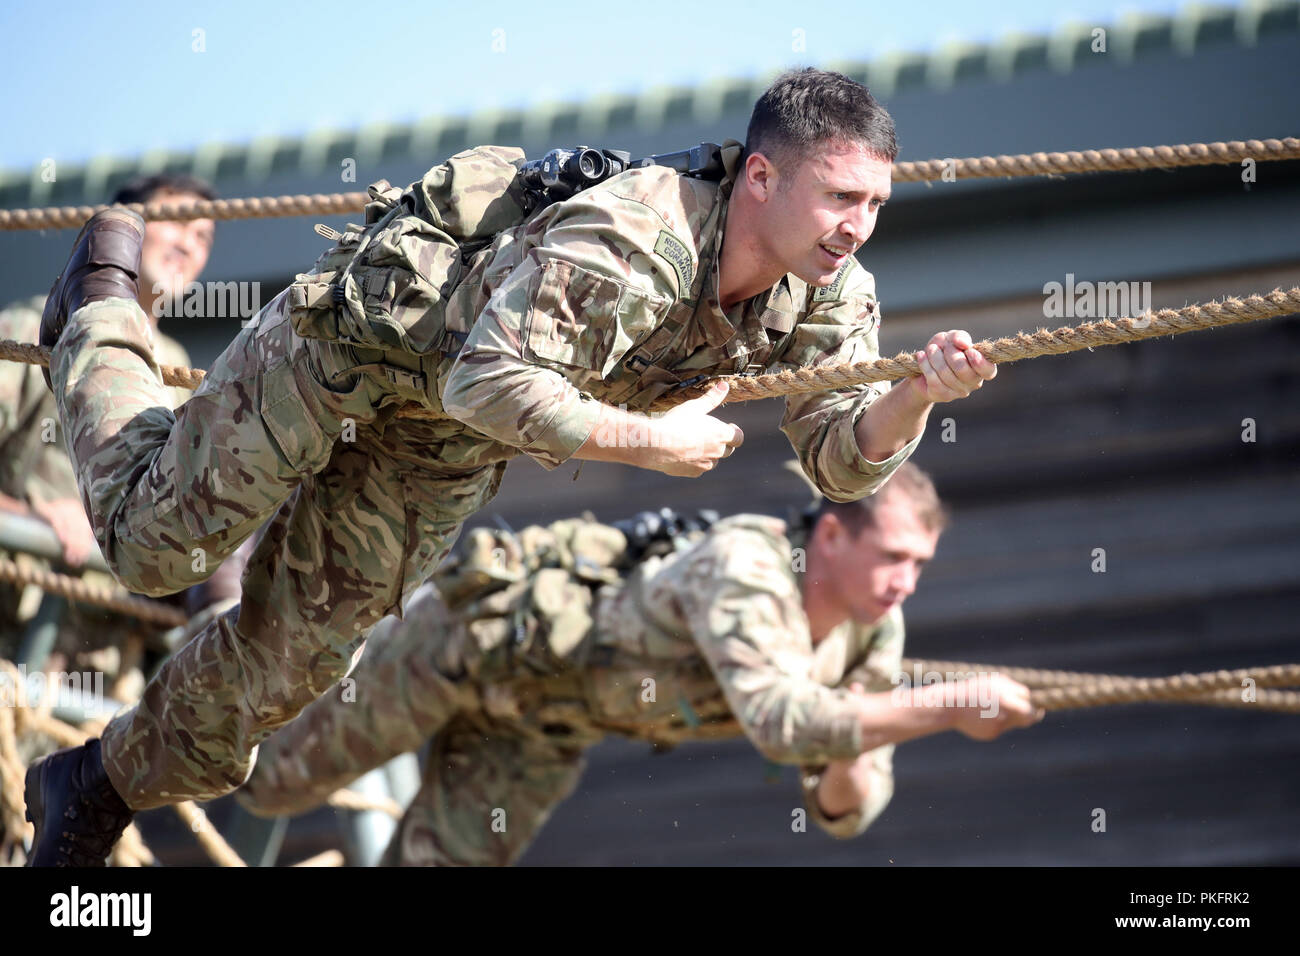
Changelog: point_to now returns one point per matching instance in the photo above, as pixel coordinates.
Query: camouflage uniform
(719, 628)
(33, 469)
(601, 298)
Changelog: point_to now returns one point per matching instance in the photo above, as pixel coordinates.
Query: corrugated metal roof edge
(1194, 27)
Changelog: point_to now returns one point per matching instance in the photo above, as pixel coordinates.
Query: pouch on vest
(535, 626)
(384, 285)
(527, 599)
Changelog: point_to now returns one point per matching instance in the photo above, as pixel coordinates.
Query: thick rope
(175, 375)
(1179, 687)
(1024, 164)
(1089, 335)
(88, 593)
(12, 774)
(1100, 160)
(1029, 676)
(1281, 701)
(212, 842)
(351, 800)
(325, 858)
(256, 207)
(1024, 345)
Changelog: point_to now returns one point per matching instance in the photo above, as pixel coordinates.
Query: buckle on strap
(404, 378)
(694, 380)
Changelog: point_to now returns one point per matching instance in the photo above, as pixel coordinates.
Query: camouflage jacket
(608, 297)
(706, 642)
(720, 632)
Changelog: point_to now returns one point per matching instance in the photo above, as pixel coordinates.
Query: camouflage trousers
(362, 508)
(494, 773)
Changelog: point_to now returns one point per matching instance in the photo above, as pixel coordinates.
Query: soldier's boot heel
(77, 814)
(105, 263)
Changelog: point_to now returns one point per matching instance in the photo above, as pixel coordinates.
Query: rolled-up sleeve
(880, 790)
(748, 619)
(822, 426)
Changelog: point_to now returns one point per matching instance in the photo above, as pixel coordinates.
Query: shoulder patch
(679, 257)
(832, 292)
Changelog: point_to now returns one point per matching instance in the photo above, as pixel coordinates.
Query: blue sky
(87, 79)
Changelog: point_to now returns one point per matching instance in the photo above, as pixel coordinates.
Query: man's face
(174, 253)
(878, 570)
(823, 208)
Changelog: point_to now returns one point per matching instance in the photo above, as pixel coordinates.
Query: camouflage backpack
(384, 285)
(391, 284)
(530, 596)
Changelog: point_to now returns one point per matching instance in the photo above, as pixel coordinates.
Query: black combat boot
(77, 813)
(105, 262)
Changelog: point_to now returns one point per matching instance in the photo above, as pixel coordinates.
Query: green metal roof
(1193, 28)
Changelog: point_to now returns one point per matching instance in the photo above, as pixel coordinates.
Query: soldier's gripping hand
(990, 705)
(951, 368)
(691, 439)
(685, 442)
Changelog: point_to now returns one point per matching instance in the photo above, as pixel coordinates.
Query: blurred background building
(1138, 449)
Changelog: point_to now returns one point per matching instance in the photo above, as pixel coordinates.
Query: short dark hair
(805, 108)
(910, 482)
(143, 188)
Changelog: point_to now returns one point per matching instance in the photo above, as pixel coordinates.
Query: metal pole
(42, 632)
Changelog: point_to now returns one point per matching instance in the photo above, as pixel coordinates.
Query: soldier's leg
(169, 496)
(405, 688)
(487, 791)
(338, 557)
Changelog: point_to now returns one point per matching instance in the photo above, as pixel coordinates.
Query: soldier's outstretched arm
(845, 796)
(952, 369)
(557, 325)
(497, 391)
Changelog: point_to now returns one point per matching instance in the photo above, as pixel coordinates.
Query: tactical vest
(528, 604)
(527, 599)
(385, 286)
